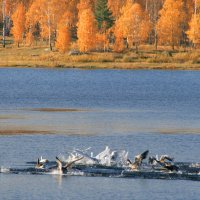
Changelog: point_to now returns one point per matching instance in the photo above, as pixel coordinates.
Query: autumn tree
(194, 31)
(29, 38)
(119, 40)
(168, 22)
(194, 25)
(72, 16)
(87, 28)
(63, 38)
(7, 7)
(18, 24)
(196, 6)
(152, 7)
(1, 11)
(32, 18)
(187, 15)
(47, 13)
(4, 23)
(83, 5)
(134, 24)
(63, 34)
(169, 25)
(12, 4)
(115, 6)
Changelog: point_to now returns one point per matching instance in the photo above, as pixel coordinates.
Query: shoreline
(112, 65)
(29, 131)
(146, 59)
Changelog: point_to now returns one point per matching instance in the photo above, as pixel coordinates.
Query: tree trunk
(50, 47)
(4, 23)
(173, 46)
(49, 26)
(195, 7)
(104, 45)
(136, 48)
(146, 6)
(156, 40)
(127, 43)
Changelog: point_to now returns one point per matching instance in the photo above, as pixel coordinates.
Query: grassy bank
(147, 58)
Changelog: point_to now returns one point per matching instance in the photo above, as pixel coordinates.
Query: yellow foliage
(194, 31)
(47, 13)
(29, 38)
(169, 26)
(177, 21)
(63, 38)
(119, 40)
(18, 23)
(87, 30)
(133, 24)
(115, 6)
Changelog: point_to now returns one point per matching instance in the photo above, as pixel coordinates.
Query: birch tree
(134, 24)
(48, 14)
(4, 23)
(170, 23)
(194, 25)
(18, 24)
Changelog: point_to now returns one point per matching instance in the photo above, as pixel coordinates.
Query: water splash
(55, 172)
(4, 170)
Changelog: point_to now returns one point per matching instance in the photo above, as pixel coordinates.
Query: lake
(62, 109)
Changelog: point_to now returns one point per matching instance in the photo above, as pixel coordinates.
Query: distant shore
(25, 124)
(146, 58)
(32, 131)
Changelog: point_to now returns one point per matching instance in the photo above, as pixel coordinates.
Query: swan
(138, 160)
(43, 160)
(163, 163)
(64, 169)
(106, 157)
(39, 165)
(163, 158)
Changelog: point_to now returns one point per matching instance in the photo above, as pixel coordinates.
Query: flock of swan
(112, 163)
(109, 158)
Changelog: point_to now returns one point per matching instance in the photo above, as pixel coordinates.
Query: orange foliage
(173, 21)
(63, 38)
(83, 5)
(32, 15)
(47, 13)
(169, 26)
(194, 31)
(72, 9)
(87, 28)
(18, 23)
(115, 6)
(29, 38)
(119, 41)
(133, 24)
(11, 5)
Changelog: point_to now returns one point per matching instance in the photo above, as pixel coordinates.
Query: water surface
(109, 101)
(131, 110)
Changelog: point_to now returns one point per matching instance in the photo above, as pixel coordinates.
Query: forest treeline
(101, 25)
